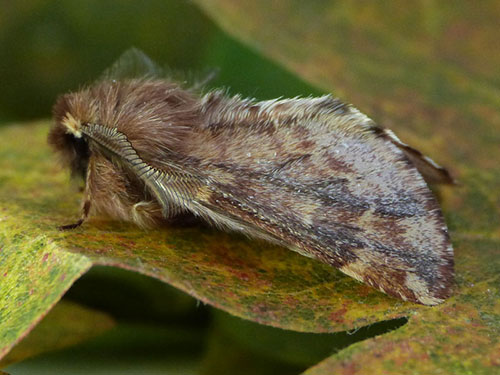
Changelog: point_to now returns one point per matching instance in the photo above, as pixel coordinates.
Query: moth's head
(155, 115)
(66, 138)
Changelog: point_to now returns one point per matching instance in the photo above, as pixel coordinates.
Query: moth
(312, 174)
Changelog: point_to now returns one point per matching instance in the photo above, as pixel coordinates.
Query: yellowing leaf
(66, 325)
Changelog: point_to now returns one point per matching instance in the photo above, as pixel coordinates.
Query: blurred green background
(51, 47)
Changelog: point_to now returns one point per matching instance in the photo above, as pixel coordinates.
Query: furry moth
(312, 174)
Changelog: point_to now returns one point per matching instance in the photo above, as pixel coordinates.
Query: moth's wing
(196, 80)
(314, 173)
(134, 63)
(432, 172)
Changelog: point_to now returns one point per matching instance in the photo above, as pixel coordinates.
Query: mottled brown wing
(318, 175)
(315, 175)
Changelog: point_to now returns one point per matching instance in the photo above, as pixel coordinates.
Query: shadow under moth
(312, 174)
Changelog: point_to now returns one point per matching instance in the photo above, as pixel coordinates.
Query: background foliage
(427, 70)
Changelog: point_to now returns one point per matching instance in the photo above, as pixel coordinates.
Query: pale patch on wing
(419, 287)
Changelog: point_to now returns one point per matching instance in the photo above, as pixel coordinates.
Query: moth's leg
(84, 215)
(86, 203)
(147, 214)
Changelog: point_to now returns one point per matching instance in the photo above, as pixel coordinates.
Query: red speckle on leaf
(45, 257)
(102, 251)
(337, 316)
(451, 310)
(242, 276)
(364, 290)
(495, 359)
(259, 309)
(424, 357)
(231, 294)
(349, 368)
(291, 301)
(452, 331)
(406, 352)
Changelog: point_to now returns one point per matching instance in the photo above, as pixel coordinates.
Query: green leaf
(430, 72)
(128, 348)
(66, 325)
(131, 296)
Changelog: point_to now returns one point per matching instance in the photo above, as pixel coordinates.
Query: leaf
(128, 348)
(66, 325)
(250, 279)
(288, 347)
(131, 296)
(226, 356)
(430, 72)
